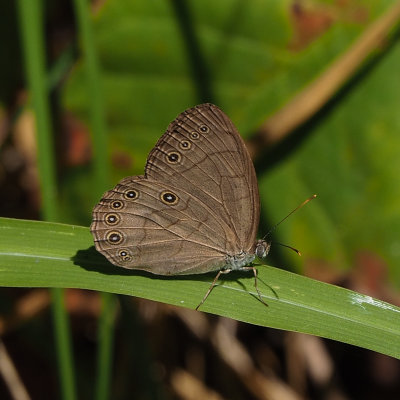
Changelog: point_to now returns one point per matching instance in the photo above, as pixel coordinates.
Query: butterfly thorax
(238, 261)
(243, 259)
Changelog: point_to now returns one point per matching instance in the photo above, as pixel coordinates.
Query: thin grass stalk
(101, 175)
(31, 30)
(105, 353)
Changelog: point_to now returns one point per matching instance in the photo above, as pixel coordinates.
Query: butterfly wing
(197, 202)
(203, 153)
(154, 226)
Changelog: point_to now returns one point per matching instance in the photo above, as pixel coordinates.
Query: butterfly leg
(255, 283)
(222, 271)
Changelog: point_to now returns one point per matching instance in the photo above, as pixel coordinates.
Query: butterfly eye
(114, 237)
(124, 254)
(112, 219)
(185, 145)
(131, 194)
(173, 158)
(204, 129)
(116, 205)
(169, 198)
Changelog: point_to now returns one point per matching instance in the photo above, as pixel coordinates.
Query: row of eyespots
(112, 219)
(202, 129)
(167, 197)
(125, 255)
(175, 157)
(115, 238)
(130, 194)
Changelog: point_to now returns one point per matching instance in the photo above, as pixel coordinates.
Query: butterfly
(196, 209)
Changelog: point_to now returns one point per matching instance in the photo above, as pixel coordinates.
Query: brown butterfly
(195, 210)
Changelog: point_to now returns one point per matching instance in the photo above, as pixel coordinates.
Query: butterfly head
(262, 248)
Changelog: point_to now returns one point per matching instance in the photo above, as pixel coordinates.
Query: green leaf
(347, 154)
(41, 254)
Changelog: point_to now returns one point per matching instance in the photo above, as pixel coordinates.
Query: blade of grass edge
(39, 254)
(101, 173)
(31, 30)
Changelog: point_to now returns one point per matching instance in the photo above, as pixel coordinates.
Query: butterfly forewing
(215, 167)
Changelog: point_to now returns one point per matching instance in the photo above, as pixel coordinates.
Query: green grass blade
(31, 29)
(101, 174)
(63, 344)
(31, 23)
(41, 254)
(105, 353)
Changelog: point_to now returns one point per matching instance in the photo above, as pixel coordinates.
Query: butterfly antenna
(287, 216)
(289, 247)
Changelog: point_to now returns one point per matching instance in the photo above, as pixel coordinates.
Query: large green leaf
(245, 47)
(348, 154)
(39, 254)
